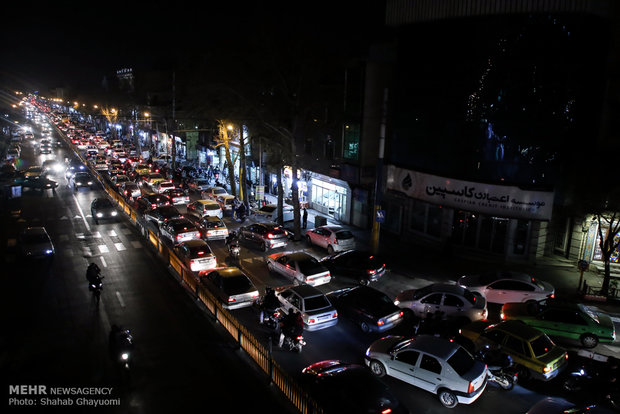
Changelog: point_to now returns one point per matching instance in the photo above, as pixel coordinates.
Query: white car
(269, 212)
(161, 186)
(316, 310)
(202, 208)
(504, 287)
(211, 193)
(196, 255)
(448, 300)
(332, 238)
(198, 185)
(179, 230)
(226, 201)
(300, 267)
(432, 363)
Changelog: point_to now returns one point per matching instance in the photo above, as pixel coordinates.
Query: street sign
(380, 216)
(260, 192)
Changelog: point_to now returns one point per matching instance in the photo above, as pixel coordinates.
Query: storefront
(503, 221)
(330, 196)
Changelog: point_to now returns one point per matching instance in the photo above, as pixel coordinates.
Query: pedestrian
(305, 218)
(235, 204)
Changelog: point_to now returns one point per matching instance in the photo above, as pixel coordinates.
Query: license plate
(278, 245)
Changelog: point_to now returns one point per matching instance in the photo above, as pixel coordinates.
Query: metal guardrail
(246, 340)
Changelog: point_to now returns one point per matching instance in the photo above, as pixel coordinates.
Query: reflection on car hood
(36, 248)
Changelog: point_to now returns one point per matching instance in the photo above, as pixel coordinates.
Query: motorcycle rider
(269, 304)
(292, 326)
(93, 275)
(232, 239)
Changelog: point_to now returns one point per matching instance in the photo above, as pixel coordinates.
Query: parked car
(198, 184)
(332, 238)
(264, 235)
(227, 202)
(178, 230)
(160, 215)
(211, 228)
(445, 300)
(536, 355)
(202, 208)
(129, 189)
(150, 201)
(504, 287)
(196, 255)
(316, 309)
(432, 363)
(362, 267)
(103, 209)
(231, 286)
(82, 179)
(211, 193)
(269, 212)
(368, 308)
(300, 267)
(35, 243)
(340, 387)
(565, 319)
(177, 196)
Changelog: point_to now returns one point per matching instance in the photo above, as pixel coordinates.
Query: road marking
(119, 246)
(112, 233)
(81, 212)
(103, 262)
(97, 235)
(64, 218)
(136, 244)
(120, 299)
(103, 248)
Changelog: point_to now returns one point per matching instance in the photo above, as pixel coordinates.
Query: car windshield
(35, 238)
(200, 250)
(461, 361)
(315, 303)
(219, 191)
(541, 345)
(104, 202)
(237, 284)
(214, 224)
(183, 226)
(309, 266)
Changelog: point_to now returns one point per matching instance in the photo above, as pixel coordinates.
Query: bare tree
(608, 230)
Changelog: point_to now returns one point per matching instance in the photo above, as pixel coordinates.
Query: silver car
(332, 238)
(316, 310)
(432, 363)
(35, 242)
(447, 300)
(300, 267)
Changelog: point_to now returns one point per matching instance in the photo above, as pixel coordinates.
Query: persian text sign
(498, 200)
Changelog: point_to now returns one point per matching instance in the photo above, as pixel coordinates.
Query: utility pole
(378, 196)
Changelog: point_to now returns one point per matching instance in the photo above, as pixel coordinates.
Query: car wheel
(447, 398)
(377, 368)
(589, 340)
(330, 249)
(308, 241)
(364, 327)
(364, 282)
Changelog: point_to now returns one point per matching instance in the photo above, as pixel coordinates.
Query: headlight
(99, 214)
(90, 183)
(114, 213)
(125, 356)
(49, 251)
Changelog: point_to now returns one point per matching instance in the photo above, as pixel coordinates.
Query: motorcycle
(295, 343)
(234, 250)
(121, 345)
(500, 367)
(599, 383)
(96, 286)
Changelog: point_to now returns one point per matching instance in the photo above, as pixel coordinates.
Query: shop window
(520, 239)
(418, 216)
(435, 214)
(598, 255)
(426, 218)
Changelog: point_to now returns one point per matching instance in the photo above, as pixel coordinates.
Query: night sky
(75, 44)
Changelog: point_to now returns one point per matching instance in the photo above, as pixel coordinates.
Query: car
(12, 154)
(300, 267)
(161, 214)
(264, 235)
(269, 212)
(332, 238)
(102, 208)
(34, 171)
(230, 286)
(118, 180)
(177, 196)
(227, 202)
(316, 310)
(431, 363)
(101, 165)
(150, 201)
(211, 193)
(45, 149)
(504, 287)
(52, 167)
(82, 179)
(161, 186)
(534, 353)
(449, 301)
(196, 255)
(153, 178)
(557, 405)
(564, 319)
(368, 308)
(74, 167)
(202, 208)
(129, 189)
(198, 185)
(35, 243)
(38, 183)
(360, 266)
(341, 387)
(178, 230)
(211, 228)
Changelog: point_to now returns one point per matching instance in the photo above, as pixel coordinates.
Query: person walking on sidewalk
(305, 218)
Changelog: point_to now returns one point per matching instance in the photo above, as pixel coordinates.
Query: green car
(563, 319)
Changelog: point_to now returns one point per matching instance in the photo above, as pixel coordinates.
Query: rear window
(212, 207)
(214, 224)
(461, 361)
(310, 266)
(183, 227)
(344, 235)
(541, 345)
(199, 251)
(315, 303)
(236, 285)
(267, 210)
(219, 191)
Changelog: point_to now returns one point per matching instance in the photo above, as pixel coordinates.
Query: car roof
(227, 271)
(519, 329)
(213, 218)
(434, 345)
(35, 230)
(446, 287)
(208, 202)
(333, 228)
(195, 243)
(304, 290)
(298, 256)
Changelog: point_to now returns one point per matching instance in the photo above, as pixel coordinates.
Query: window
(516, 345)
(451, 300)
(408, 357)
(431, 364)
(494, 335)
(511, 285)
(434, 299)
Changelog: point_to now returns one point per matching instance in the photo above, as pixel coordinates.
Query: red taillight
(380, 322)
(200, 253)
(335, 241)
(179, 237)
(334, 315)
(270, 236)
(566, 356)
(230, 300)
(310, 321)
(386, 411)
(552, 296)
(471, 388)
(300, 338)
(370, 272)
(197, 234)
